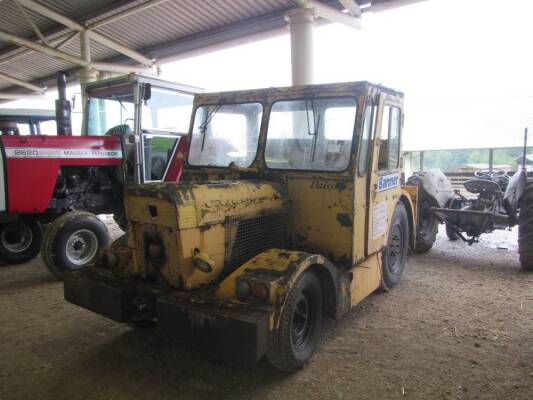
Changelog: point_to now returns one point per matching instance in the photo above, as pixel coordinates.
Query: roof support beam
(330, 13)
(18, 96)
(126, 13)
(97, 37)
(352, 7)
(19, 82)
(66, 39)
(390, 5)
(41, 48)
(50, 51)
(32, 24)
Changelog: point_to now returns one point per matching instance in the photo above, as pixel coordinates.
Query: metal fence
(467, 161)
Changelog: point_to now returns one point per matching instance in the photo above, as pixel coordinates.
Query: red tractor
(133, 126)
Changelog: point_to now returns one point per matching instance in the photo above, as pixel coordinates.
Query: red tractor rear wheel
(20, 241)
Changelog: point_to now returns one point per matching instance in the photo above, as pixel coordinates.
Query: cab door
(157, 150)
(385, 179)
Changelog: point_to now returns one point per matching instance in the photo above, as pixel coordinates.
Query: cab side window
(389, 151)
(367, 137)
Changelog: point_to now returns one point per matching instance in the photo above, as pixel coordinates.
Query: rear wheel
(294, 340)
(525, 228)
(72, 242)
(20, 241)
(427, 225)
(395, 252)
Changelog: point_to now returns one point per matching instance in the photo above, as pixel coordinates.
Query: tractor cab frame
(150, 114)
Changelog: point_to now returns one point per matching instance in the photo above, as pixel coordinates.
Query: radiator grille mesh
(246, 237)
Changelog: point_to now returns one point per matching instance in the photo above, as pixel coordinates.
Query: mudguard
(436, 184)
(514, 192)
(279, 269)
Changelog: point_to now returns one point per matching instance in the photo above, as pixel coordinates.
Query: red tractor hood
(31, 165)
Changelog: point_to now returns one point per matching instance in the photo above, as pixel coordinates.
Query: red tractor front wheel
(73, 241)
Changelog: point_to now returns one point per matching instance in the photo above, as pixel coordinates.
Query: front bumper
(229, 331)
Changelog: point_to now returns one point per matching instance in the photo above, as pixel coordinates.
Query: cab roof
(328, 88)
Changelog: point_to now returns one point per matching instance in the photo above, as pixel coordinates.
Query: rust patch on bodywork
(344, 220)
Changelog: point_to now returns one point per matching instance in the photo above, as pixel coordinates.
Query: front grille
(247, 237)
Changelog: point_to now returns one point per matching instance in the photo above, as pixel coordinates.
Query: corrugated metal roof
(170, 26)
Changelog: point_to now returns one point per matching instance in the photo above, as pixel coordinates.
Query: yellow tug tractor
(290, 209)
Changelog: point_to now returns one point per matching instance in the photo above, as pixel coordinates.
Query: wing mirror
(146, 92)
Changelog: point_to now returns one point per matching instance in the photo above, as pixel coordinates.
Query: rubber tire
(391, 278)
(525, 228)
(280, 352)
(58, 233)
(425, 238)
(31, 252)
(451, 234)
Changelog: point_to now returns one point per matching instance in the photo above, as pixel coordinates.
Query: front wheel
(395, 252)
(72, 242)
(294, 340)
(20, 241)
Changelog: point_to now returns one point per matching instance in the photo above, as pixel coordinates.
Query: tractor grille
(247, 237)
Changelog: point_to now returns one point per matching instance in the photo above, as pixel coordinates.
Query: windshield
(111, 110)
(167, 111)
(225, 133)
(311, 134)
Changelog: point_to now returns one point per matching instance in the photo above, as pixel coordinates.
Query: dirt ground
(458, 326)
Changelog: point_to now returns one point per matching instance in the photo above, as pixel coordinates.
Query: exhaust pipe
(63, 110)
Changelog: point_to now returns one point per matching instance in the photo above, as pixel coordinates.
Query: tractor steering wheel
(490, 175)
(119, 130)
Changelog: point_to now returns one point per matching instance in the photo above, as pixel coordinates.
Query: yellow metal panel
(191, 218)
(366, 278)
(322, 216)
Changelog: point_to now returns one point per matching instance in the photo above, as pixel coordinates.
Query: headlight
(203, 262)
(246, 287)
(243, 288)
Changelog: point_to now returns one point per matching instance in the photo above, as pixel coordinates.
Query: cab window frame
(221, 103)
(362, 169)
(304, 98)
(382, 166)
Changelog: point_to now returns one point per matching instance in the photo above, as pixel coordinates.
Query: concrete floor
(458, 326)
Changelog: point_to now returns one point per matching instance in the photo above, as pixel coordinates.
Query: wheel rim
(395, 249)
(302, 322)
(16, 237)
(81, 247)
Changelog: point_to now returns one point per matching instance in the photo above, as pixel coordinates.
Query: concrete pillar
(301, 22)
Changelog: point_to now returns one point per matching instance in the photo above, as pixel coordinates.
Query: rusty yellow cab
(291, 209)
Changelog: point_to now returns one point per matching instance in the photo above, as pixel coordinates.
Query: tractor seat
(482, 186)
